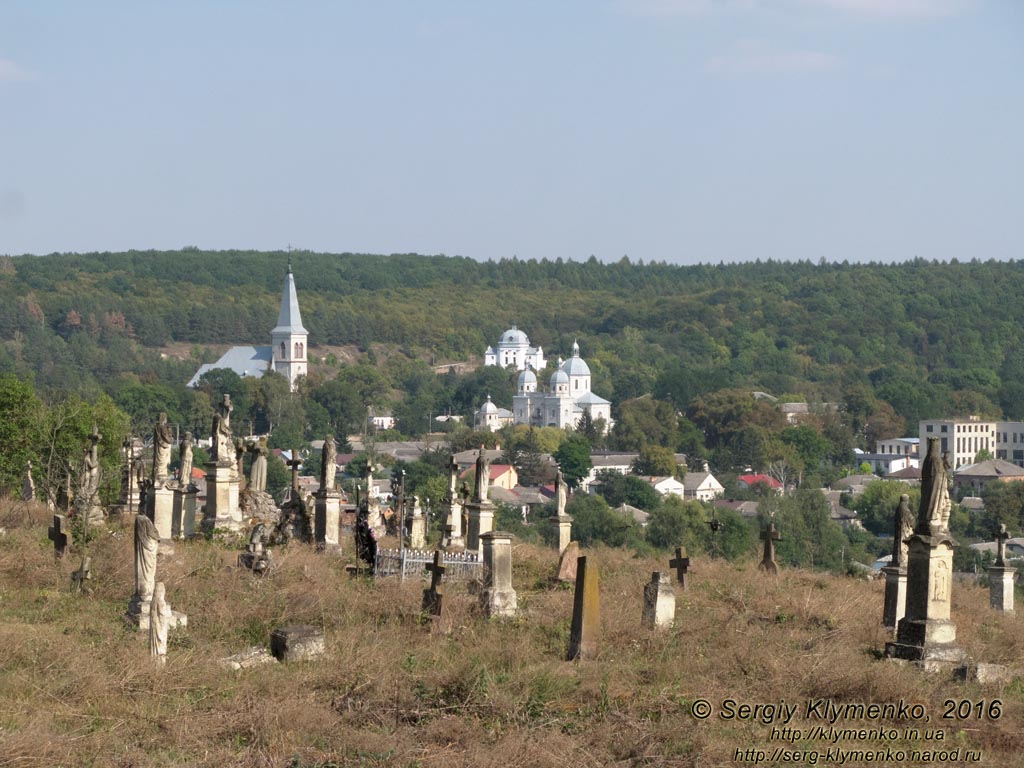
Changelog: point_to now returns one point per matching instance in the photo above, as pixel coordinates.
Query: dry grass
(78, 689)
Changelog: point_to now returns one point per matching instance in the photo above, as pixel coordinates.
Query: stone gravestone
(680, 564)
(926, 634)
(567, 562)
(769, 535)
(222, 481)
(498, 597)
(1000, 576)
(659, 602)
(586, 613)
(327, 504)
(80, 579)
(160, 503)
(87, 501)
(481, 508)
(256, 557)
(432, 596)
(895, 604)
(295, 519)
(417, 525)
(58, 533)
(451, 505)
(297, 642)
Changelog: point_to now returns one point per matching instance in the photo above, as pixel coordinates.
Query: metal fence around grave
(412, 563)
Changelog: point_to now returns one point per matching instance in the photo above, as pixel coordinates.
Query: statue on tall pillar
(904, 529)
(483, 476)
(163, 438)
(185, 451)
(328, 464)
(222, 441)
(560, 492)
(935, 503)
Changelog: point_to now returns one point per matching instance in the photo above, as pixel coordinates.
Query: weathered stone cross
(295, 462)
(58, 534)
(431, 608)
(681, 564)
(769, 535)
(436, 571)
(1001, 538)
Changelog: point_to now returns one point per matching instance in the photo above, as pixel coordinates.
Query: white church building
(286, 354)
(567, 397)
(514, 350)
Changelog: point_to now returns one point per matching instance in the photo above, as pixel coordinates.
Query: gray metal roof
(290, 319)
(245, 361)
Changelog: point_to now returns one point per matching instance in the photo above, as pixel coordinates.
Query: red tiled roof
(771, 482)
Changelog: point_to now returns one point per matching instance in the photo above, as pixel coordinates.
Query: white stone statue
(185, 475)
(147, 542)
(223, 443)
(163, 439)
(258, 470)
(160, 620)
(483, 476)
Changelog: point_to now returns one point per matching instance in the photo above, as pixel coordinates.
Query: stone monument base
(930, 642)
(1000, 585)
(222, 509)
(327, 520)
(499, 603)
(895, 606)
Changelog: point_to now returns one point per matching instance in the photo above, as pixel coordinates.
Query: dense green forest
(677, 349)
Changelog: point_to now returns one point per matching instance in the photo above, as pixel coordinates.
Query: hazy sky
(676, 130)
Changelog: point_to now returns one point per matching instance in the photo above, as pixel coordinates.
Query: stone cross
(58, 534)
(586, 612)
(432, 598)
(769, 535)
(295, 462)
(81, 576)
(1001, 538)
(681, 564)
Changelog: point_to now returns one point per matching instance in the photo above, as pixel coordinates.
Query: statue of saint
(561, 492)
(329, 464)
(904, 530)
(163, 438)
(185, 475)
(258, 470)
(89, 480)
(28, 487)
(483, 476)
(933, 515)
(453, 479)
(147, 542)
(222, 442)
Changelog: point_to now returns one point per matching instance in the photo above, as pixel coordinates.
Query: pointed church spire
(289, 320)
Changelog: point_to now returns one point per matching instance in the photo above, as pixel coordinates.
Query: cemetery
(285, 638)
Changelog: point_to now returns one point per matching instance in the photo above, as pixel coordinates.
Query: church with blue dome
(564, 401)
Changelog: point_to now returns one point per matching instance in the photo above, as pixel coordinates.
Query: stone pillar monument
(222, 482)
(452, 507)
(481, 508)
(895, 606)
(327, 504)
(926, 634)
(417, 525)
(659, 602)
(498, 598)
(1000, 577)
(561, 520)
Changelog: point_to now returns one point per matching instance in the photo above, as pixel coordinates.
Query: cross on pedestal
(1001, 538)
(295, 462)
(769, 536)
(680, 564)
(58, 534)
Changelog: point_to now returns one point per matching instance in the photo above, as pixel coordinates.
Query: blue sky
(673, 130)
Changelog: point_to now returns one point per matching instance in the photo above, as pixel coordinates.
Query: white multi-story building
(962, 438)
(567, 398)
(514, 351)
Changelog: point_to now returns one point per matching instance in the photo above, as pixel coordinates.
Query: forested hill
(926, 337)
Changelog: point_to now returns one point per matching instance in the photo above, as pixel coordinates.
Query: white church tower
(288, 339)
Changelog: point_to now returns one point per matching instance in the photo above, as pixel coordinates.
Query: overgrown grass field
(77, 687)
